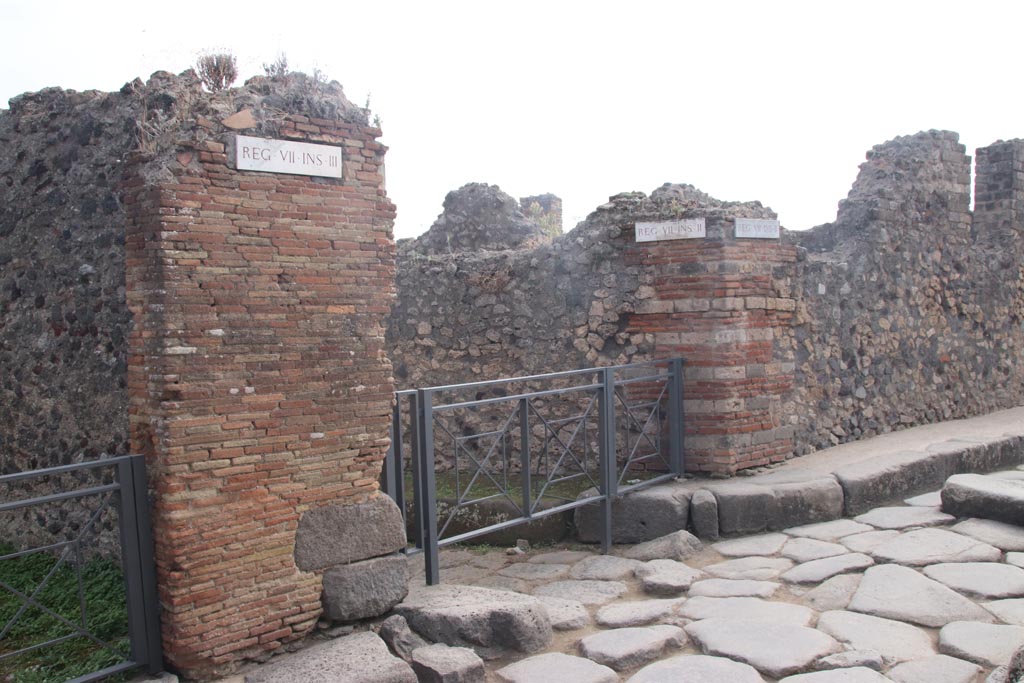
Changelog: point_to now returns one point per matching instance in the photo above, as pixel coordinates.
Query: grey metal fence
(122, 495)
(524, 441)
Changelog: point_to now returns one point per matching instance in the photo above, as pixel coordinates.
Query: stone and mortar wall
(910, 306)
(906, 310)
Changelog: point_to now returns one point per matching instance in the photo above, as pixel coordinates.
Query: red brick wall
(258, 380)
(717, 304)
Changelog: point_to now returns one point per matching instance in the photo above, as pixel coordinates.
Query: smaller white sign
(286, 156)
(684, 229)
(757, 228)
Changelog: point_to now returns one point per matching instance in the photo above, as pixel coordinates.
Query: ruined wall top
(478, 217)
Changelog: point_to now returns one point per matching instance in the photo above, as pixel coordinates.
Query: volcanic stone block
(807, 502)
(874, 482)
(744, 508)
(484, 617)
(443, 664)
(359, 657)
(641, 515)
(704, 513)
(340, 534)
(365, 589)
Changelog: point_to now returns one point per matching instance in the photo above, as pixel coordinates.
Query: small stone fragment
(666, 577)
(401, 639)
(675, 546)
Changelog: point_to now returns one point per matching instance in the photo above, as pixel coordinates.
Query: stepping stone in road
(604, 568)
(626, 648)
(893, 640)
(833, 594)
(857, 674)
(587, 592)
(457, 615)
(561, 557)
(555, 667)
(1009, 611)
(747, 609)
(752, 568)
(696, 669)
(932, 669)
(980, 579)
(985, 644)
(565, 615)
(636, 613)
(527, 571)
(932, 499)
(807, 549)
(764, 544)
(867, 541)
(732, 588)
(901, 593)
(903, 517)
(817, 571)
(1009, 537)
(929, 546)
(975, 495)
(829, 531)
(776, 650)
(666, 577)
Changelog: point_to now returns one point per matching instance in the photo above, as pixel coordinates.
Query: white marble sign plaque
(286, 156)
(684, 229)
(757, 228)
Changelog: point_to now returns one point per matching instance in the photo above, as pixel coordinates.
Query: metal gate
(109, 487)
(522, 440)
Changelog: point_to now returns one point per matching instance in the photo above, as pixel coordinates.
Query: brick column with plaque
(260, 269)
(716, 303)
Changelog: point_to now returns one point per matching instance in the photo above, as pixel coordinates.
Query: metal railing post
(524, 455)
(137, 556)
(394, 463)
(428, 500)
(608, 459)
(675, 417)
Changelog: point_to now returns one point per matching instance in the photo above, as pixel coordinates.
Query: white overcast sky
(772, 100)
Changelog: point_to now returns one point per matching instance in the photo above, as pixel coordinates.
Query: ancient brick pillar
(717, 302)
(999, 194)
(259, 385)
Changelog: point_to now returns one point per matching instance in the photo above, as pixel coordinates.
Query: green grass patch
(103, 592)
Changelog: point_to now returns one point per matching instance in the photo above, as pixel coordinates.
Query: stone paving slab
(930, 546)
(696, 669)
(817, 571)
(1009, 611)
(565, 615)
(985, 644)
(857, 674)
(900, 593)
(763, 544)
(556, 667)
(903, 517)
(586, 591)
(869, 540)
(752, 568)
(636, 612)
(666, 577)
(807, 549)
(733, 588)
(989, 580)
(604, 568)
(829, 531)
(627, 648)
(749, 609)
(1007, 537)
(833, 594)
(937, 669)
(775, 650)
(895, 641)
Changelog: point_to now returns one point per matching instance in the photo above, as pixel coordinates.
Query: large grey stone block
(484, 617)
(365, 589)
(873, 482)
(975, 495)
(704, 514)
(638, 516)
(744, 508)
(807, 502)
(359, 657)
(340, 534)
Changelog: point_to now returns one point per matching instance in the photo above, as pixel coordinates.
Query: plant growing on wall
(217, 70)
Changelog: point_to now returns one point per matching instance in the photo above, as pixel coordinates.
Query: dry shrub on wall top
(217, 70)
